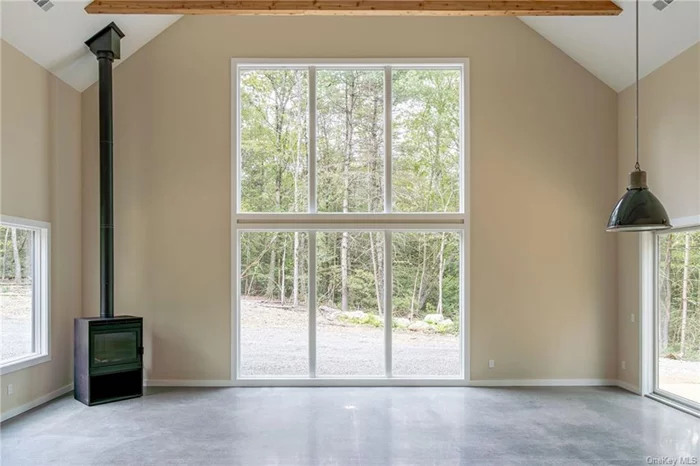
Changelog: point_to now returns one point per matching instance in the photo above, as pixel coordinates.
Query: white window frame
(387, 221)
(649, 303)
(41, 294)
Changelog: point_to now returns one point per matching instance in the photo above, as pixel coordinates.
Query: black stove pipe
(106, 46)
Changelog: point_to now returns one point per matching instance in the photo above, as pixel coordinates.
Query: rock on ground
(419, 326)
(402, 322)
(433, 318)
(359, 315)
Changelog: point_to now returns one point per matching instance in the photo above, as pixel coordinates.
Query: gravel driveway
(15, 320)
(680, 377)
(274, 342)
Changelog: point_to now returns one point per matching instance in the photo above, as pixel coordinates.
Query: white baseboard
(629, 387)
(473, 383)
(186, 383)
(544, 383)
(34, 403)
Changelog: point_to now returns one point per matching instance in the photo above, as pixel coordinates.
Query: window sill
(674, 404)
(23, 363)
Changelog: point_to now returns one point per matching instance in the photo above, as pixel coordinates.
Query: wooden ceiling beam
(359, 7)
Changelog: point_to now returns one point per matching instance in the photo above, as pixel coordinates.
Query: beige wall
(670, 153)
(543, 180)
(40, 164)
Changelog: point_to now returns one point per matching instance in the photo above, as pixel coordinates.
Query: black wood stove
(108, 351)
(108, 359)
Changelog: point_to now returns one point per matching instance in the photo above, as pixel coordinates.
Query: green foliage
(350, 140)
(350, 106)
(22, 241)
(426, 128)
(274, 138)
(674, 276)
(372, 320)
(447, 329)
(362, 289)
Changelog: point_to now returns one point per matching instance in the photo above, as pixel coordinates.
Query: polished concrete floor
(355, 426)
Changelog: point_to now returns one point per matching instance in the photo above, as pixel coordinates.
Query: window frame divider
(41, 294)
(388, 200)
(388, 307)
(313, 330)
(311, 143)
(649, 307)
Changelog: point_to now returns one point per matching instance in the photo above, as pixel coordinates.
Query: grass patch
(370, 320)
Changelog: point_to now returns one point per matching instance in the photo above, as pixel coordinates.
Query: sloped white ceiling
(605, 45)
(55, 39)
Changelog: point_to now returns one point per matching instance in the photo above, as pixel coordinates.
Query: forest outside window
(340, 113)
(678, 315)
(24, 298)
(367, 276)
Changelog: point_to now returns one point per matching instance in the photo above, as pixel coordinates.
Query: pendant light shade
(638, 209)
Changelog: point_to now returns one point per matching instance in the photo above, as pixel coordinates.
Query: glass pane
(115, 348)
(350, 335)
(425, 140)
(274, 317)
(679, 314)
(274, 153)
(426, 314)
(350, 135)
(16, 293)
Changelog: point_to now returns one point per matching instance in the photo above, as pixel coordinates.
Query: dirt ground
(274, 342)
(15, 320)
(680, 378)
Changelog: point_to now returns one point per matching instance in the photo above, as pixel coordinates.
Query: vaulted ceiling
(55, 39)
(604, 45)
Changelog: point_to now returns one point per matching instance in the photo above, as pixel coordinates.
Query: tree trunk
(421, 288)
(441, 270)
(376, 270)
(281, 99)
(374, 199)
(282, 272)
(270, 291)
(413, 294)
(665, 314)
(295, 271)
(684, 296)
(15, 255)
(297, 165)
(344, 272)
(303, 284)
(4, 253)
(349, 129)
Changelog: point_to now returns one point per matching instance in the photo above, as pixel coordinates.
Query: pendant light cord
(636, 104)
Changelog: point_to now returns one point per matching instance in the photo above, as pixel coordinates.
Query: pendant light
(638, 209)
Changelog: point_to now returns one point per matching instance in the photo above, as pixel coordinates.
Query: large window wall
(350, 220)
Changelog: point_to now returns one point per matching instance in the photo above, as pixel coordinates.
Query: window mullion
(312, 139)
(37, 270)
(312, 304)
(312, 234)
(388, 290)
(387, 140)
